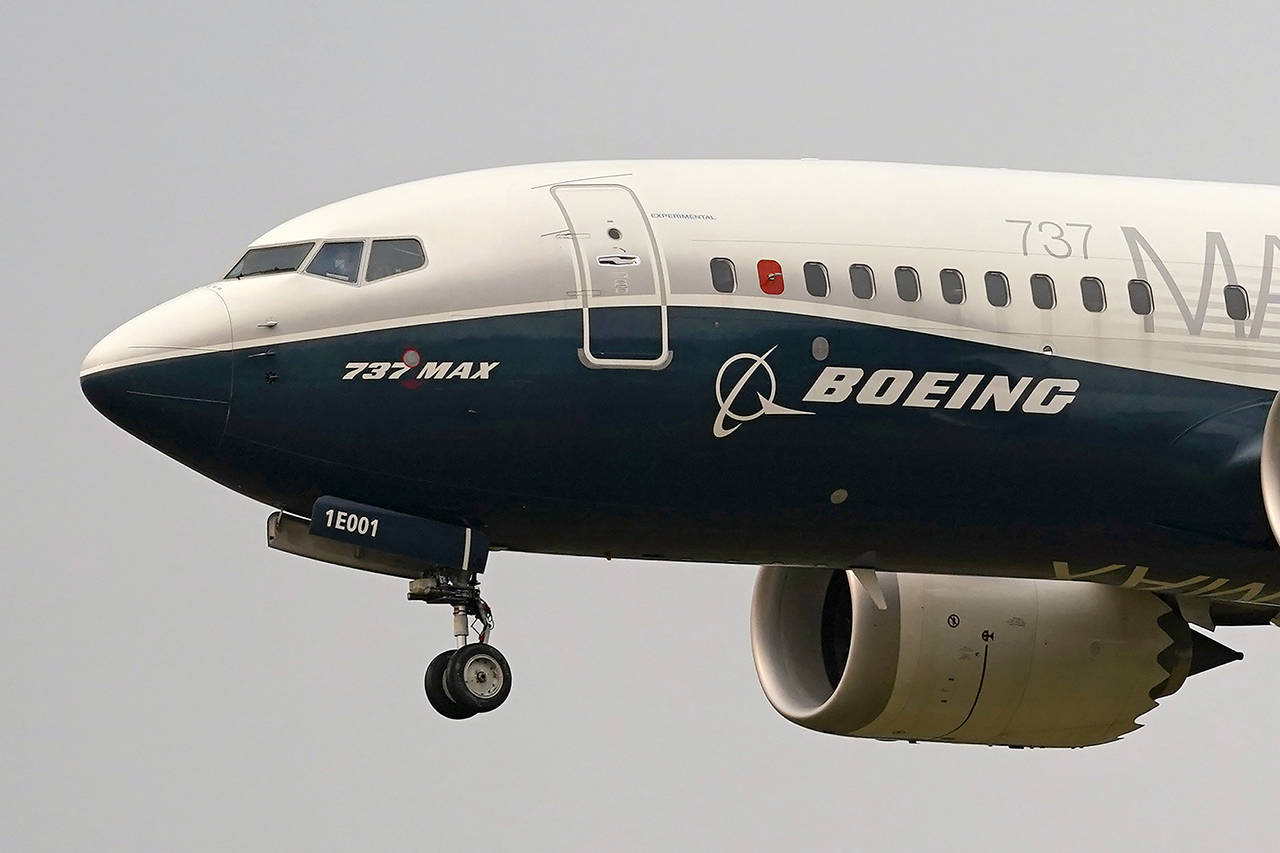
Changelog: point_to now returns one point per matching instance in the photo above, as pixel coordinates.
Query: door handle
(618, 260)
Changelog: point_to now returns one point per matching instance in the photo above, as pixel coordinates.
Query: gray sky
(169, 683)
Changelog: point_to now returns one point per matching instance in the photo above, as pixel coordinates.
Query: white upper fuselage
(496, 243)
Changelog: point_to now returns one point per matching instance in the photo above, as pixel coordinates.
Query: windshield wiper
(264, 272)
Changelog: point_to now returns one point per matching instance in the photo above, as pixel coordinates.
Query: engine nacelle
(1269, 465)
(968, 659)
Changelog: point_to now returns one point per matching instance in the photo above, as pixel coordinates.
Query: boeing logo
(726, 400)
(891, 387)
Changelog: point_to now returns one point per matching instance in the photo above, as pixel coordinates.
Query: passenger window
(340, 261)
(908, 283)
(723, 276)
(1092, 294)
(1140, 299)
(1237, 302)
(815, 279)
(1043, 296)
(997, 288)
(391, 257)
(770, 273)
(862, 280)
(952, 286)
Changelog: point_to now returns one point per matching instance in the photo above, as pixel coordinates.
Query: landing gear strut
(474, 677)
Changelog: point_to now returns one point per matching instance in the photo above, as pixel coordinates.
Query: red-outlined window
(770, 277)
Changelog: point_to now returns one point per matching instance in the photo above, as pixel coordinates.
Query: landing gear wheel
(475, 677)
(478, 677)
(437, 694)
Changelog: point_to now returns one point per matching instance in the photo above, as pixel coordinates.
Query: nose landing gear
(474, 678)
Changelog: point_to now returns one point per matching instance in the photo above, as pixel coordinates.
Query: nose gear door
(619, 277)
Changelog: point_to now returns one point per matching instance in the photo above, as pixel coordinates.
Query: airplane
(1003, 444)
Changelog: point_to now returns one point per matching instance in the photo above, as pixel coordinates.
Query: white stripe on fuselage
(1131, 353)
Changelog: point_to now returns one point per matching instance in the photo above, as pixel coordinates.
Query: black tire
(471, 675)
(437, 694)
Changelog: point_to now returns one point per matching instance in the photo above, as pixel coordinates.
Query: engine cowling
(1269, 466)
(1006, 661)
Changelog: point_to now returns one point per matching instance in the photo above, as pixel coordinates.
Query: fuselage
(909, 368)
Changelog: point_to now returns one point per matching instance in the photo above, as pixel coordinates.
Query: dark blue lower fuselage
(549, 455)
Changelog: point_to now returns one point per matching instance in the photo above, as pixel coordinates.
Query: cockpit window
(339, 261)
(271, 259)
(389, 257)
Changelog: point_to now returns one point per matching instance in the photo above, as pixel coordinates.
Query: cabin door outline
(619, 276)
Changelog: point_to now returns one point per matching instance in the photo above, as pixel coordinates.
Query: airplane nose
(165, 376)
